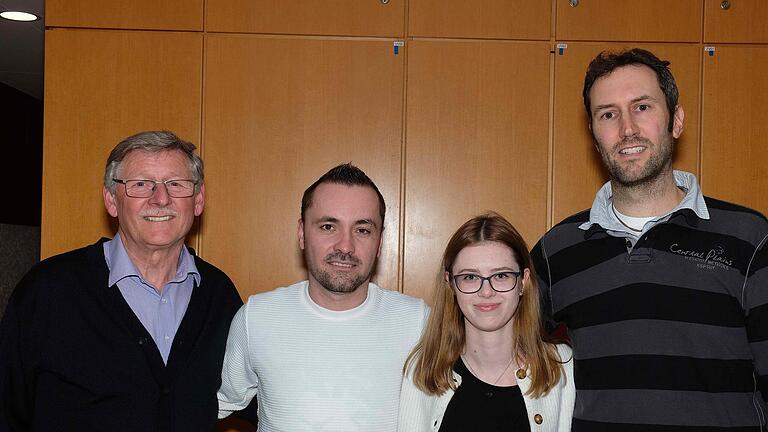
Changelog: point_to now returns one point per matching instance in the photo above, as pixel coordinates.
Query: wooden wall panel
(639, 21)
(279, 113)
(476, 140)
(578, 171)
(741, 21)
(307, 17)
(735, 126)
(493, 19)
(135, 14)
(100, 87)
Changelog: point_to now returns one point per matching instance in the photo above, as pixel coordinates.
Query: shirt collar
(120, 264)
(601, 213)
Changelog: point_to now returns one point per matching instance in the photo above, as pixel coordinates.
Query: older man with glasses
(127, 334)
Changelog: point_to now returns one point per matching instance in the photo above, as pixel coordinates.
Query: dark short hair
(152, 141)
(606, 62)
(344, 174)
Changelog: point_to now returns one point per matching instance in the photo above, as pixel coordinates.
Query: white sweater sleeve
(238, 380)
(412, 415)
(569, 389)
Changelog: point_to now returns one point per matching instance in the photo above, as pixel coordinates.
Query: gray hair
(152, 141)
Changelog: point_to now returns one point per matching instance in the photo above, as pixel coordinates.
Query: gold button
(538, 419)
(520, 374)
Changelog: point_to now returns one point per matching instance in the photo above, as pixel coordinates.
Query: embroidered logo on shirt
(709, 259)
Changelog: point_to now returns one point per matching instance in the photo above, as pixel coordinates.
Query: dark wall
(19, 251)
(21, 160)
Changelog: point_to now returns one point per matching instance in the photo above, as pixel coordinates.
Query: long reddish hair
(444, 337)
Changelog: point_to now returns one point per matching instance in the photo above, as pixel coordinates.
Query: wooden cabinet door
(736, 21)
(638, 21)
(92, 103)
(578, 171)
(735, 126)
(492, 19)
(307, 17)
(476, 140)
(134, 14)
(278, 114)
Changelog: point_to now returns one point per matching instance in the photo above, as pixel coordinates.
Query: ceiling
(22, 48)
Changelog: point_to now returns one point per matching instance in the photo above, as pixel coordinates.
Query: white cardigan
(420, 412)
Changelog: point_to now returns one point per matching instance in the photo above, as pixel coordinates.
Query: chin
(161, 243)
(487, 327)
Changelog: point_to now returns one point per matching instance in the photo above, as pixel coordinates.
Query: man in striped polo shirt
(663, 291)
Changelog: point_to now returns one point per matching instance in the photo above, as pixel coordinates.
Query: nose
(160, 195)
(486, 290)
(628, 125)
(345, 243)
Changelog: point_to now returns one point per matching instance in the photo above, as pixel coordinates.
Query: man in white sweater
(326, 354)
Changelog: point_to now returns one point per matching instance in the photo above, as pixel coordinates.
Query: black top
(482, 407)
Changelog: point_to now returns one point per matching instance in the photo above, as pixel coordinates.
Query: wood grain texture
(638, 21)
(735, 126)
(134, 14)
(744, 21)
(100, 87)
(476, 140)
(307, 17)
(578, 171)
(279, 113)
(492, 19)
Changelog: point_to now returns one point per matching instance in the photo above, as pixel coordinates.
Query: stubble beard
(339, 283)
(654, 167)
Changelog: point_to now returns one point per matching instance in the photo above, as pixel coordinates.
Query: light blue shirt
(160, 311)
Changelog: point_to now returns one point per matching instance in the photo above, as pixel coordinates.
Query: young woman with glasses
(483, 362)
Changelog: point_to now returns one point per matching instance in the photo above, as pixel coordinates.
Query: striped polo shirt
(669, 328)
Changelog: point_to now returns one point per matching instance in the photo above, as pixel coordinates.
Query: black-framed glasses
(141, 188)
(470, 283)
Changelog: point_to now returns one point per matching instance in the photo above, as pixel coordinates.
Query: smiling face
(488, 310)
(630, 123)
(159, 222)
(341, 237)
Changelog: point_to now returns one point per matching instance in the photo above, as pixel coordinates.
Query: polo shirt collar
(692, 206)
(121, 267)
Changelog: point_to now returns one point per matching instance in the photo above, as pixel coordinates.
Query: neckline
(621, 220)
(343, 315)
(461, 369)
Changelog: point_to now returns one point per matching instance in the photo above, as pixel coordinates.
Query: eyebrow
(332, 219)
(635, 100)
(327, 219)
(493, 270)
(643, 98)
(366, 222)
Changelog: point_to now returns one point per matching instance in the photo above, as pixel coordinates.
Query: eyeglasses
(470, 283)
(145, 188)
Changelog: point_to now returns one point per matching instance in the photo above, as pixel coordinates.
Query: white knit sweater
(420, 412)
(313, 369)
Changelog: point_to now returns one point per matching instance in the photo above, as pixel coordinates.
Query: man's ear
(200, 200)
(592, 134)
(677, 122)
(300, 233)
(110, 202)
